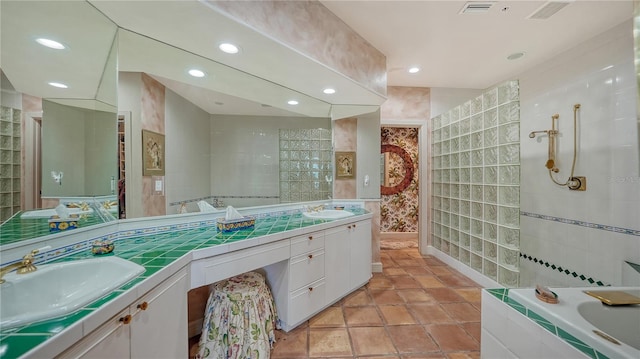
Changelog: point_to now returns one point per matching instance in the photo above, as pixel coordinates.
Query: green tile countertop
(167, 252)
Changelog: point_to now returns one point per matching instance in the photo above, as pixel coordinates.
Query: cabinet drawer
(306, 268)
(307, 243)
(306, 301)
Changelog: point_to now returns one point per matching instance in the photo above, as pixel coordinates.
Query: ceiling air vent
(476, 7)
(548, 9)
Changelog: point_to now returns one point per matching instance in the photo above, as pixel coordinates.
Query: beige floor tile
(451, 338)
(357, 299)
(393, 271)
(462, 312)
(473, 328)
(385, 297)
(290, 345)
(429, 281)
(404, 282)
(412, 339)
(470, 294)
(329, 342)
(371, 341)
(464, 355)
(415, 296)
(444, 295)
(362, 316)
(430, 314)
(380, 282)
(331, 317)
(396, 315)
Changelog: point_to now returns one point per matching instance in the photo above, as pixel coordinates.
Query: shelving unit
(10, 161)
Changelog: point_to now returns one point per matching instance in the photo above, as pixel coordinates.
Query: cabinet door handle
(310, 289)
(354, 226)
(348, 227)
(310, 256)
(143, 306)
(126, 319)
(310, 238)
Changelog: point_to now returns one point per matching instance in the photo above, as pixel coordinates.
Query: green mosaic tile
(538, 318)
(56, 325)
(515, 305)
(14, 346)
(97, 303)
(160, 261)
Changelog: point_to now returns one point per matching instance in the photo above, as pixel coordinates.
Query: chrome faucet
(22, 267)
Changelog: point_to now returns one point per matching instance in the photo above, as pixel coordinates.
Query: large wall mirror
(69, 140)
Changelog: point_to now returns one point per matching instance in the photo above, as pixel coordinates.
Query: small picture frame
(345, 165)
(153, 160)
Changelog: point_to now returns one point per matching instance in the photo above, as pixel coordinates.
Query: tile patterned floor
(417, 308)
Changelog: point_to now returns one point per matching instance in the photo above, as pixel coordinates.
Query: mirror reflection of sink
(61, 288)
(328, 214)
(46, 213)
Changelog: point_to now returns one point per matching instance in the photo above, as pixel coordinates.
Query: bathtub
(584, 316)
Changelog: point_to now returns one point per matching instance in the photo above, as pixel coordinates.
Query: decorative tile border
(503, 295)
(604, 227)
(560, 269)
(84, 245)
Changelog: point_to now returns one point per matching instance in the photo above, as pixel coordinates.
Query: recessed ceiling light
(292, 102)
(58, 85)
(515, 56)
(329, 91)
(196, 73)
(50, 43)
(229, 48)
(413, 70)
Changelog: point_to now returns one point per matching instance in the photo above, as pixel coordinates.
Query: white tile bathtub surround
(476, 175)
(604, 84)
(509, 334)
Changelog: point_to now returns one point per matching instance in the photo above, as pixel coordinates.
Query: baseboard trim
(376, 267)
(469, 272)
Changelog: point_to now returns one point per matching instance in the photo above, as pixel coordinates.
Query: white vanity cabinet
(348, 258)
(306, 277)
(154, 326)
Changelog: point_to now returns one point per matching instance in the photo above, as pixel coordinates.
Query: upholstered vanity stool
(240, 319)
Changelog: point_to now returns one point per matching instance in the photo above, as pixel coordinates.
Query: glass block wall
(305, 165)
(10, 162)
(476, 183)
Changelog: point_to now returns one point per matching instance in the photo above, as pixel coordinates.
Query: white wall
(188, 154)
(590, 233)
(368, 156)
(444, 99)
(245, 156)
(130, 100)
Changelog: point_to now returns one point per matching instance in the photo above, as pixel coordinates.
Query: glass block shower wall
(476, 183)
(305, 165)
(10, 161)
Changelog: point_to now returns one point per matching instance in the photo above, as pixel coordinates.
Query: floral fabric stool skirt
(240, 319)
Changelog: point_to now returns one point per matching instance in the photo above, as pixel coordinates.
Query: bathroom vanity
(309, 265)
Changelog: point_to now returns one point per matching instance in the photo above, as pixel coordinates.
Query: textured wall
(152, 119)
(399, 212)
(312, 29)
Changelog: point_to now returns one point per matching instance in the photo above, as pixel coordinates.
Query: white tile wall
(604, 83)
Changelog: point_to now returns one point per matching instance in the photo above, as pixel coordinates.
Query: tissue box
(231, 225)
(56, 224)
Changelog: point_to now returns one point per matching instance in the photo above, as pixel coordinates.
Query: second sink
(328, 214)
(61, 288)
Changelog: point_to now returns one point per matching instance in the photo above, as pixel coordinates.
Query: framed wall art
(152, 154)
(345, 165)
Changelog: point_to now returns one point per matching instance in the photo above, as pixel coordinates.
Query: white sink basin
(61, 288)
(328, 214)
(46, 213)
